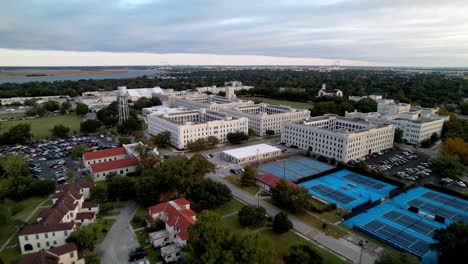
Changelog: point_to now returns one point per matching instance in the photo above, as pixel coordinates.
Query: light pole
(257, 157)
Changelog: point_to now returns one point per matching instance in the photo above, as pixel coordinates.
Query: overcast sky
(152, 32)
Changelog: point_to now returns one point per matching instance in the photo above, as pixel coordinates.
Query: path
(121, 239)
(39, 206)
(340, 246)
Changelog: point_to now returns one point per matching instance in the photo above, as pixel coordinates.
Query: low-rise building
(160, 109)
(189, 126)
(390, 107)
(38, 99)
(359, 98)
(210, 102)
(64, 254)
(99, 171)
(269, 181)
(249, 154)
(264, 117)
(235, 85)
(177, 217)
(338, 137)
(55, 224)
(105, 155)
(324, 91)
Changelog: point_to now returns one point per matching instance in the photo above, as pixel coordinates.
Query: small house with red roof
(269, 181)
(69, 210)
(329, 92)
(177, 216)
(67, 253)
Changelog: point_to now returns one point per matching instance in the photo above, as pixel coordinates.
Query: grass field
(232, 206)
(299, 105)
(235, 179)
(41, 126)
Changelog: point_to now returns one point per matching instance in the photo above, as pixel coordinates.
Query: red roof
(64, 249)
(114, 164)
(177, 215)
(85, 215)
(44, 228)
(89, 205)
(272, 180)
(50, 256)
(99, 154)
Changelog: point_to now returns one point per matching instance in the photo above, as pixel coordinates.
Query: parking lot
(51, 159)
(410, 167)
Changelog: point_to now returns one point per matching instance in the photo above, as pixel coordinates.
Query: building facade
(189, 126)
(249, 154)
(264, 117)
(337, 137)
(324, 91)
(65, 254)
(390, 107)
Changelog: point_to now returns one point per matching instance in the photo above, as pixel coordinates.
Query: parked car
(136, 254)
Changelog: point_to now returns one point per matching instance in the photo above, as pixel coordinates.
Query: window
(47, 243)
(72, 255)
(38, 244)
(65, 233)
(26, 238)
(37, 236)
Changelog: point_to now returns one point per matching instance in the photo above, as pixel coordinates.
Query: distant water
(132, 73)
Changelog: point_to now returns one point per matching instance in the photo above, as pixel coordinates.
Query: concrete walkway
(340, 246)
(39, 206)
(120, 239)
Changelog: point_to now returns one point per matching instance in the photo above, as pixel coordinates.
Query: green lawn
(104, 225)
(230, 207)
(235, 179)
(10, 255)
(299, 105)
(138, 220)
(41, 126)
(27, 206)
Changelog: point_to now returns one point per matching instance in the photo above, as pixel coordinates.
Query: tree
(65, 107)
(249, 176)
(78, 151)
(109, 115)
(146, 102)
(51, 106)
(13, 166)
(237, 137)
(147, 190)
(37, 110)
(209, 194)
(212, 141)
(198, 144)
(458, 147)
(447, 165)
(464, 108)
(60, 131)
(22, 187)
(397, 258)
(19, 134)
(434, 138)
(130, 125)
(366, 105)
(251, 215)
(303, 254)
(162, 139)
(201, 166)
(92, 258)
(270, 132)
(451, 243)
(84, 237)
(90, 126)
(281, 223)
(81, 109)
(119, 188)
(398, 136)
(252, 248)
(291, 198)
(98, 193)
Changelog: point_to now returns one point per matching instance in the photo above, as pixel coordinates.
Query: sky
(234, 32)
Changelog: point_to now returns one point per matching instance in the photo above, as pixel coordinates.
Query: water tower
(122, 101)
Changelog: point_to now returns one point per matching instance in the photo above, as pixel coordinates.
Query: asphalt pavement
(120, 239)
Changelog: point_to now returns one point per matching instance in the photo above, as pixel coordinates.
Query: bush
(252, 216)
(281, 223)
(322, 159)
(270, 132)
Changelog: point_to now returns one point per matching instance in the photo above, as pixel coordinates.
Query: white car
(42, 159)
(461, 184)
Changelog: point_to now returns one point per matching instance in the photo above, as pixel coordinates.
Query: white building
(188, 126)
(329, 92)
(160, 109)
(55, 224)
(338, 137)
(235, 85)
(38, 99)
(98, 99)
(137, 93)
(359, 98)
(65, 254)
(263, 117)
(249, 154)
(177, 217)
(390, 107)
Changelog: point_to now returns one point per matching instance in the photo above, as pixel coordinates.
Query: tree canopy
(209, 194)
(452, 243)
(90, 126)
(249, 176)
(60, 131)
(146, 102)
(237, 137)
(291, 198)
(448, 165)
(19, 134)
(81, 109)
(303, 254)
(251, 215)
(281, 223)
(162, 139)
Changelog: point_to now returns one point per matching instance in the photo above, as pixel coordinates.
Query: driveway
(120, 239)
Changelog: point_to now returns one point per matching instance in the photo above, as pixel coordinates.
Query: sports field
(295, 168)
(299, 105)
(41, 126)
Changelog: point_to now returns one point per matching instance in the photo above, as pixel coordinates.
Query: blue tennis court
(295, 168)
(393, 223)
(347, 189)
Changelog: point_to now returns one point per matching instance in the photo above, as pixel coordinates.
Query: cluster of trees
(455, 127)
(398, 136)
(53, 106)
(290, 197)
(109, 116)
(448, 165)
(339, 105)
(19, 134)
(248, 177)
(457, 147)
(60, 131)
(237, 137)
(429, 142)
(162, 139)
(146, 102)
(252, 216)
(209, 194)
(90, 126)
(203, 143)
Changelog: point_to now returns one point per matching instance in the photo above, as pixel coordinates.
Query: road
(340, 246)
(120, 239)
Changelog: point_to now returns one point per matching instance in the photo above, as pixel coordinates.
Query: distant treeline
(425, 89)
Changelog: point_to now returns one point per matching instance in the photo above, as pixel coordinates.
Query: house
(99, 171)
(55, 224)
(105, 155)
(177, 217)
(65, 254)
(329, 92)
(269, 181)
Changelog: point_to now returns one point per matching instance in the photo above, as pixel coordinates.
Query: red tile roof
(271, 180)
(89, 205)
(64, 249)
(50, 256)
(114, 165)
(85, 215)
(177, 215)
(99, 154)
(44, 228)
(86, 184)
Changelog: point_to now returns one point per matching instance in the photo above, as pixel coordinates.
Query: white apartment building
(329, 92)
(55, 224)
(390, 107)
(263, 117)
(359, 98)
(250, 154)
(188, 126)
(235, 85)
(338, 137)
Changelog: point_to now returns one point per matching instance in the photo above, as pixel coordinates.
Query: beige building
(65, 254)
(250, 154)
(338, 137)
(263, 117)
(324, 91)
(188, 126)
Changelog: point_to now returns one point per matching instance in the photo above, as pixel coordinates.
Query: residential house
(65, 254)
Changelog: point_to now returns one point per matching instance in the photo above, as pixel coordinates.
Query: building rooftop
(114, 164)
(144, 92)
(272, 180)
(99, 154)
(249, 151)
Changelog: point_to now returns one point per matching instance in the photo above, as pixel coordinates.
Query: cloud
(426, 33)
